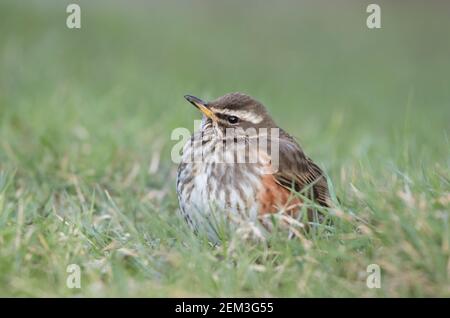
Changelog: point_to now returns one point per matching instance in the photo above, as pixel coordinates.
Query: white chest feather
(212, 187)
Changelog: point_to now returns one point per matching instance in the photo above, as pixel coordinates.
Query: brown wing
(297, 171)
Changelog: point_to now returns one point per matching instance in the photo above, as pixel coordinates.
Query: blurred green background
(94, 108)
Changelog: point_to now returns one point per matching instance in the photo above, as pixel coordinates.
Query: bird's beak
(201, 105)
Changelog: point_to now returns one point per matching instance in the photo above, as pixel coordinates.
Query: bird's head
(233, 110)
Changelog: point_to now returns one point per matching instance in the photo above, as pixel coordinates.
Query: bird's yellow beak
(201, 105)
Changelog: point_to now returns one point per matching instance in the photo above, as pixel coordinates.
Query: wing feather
(297, 171)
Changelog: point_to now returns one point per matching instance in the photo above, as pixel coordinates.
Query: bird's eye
(233, 119)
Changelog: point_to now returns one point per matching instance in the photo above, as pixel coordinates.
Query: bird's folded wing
(297, 172)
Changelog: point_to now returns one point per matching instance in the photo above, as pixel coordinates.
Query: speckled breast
(214, 185)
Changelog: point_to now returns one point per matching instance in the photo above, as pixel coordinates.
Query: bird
(226, 176)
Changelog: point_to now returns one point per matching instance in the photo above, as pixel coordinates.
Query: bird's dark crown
(237, 101)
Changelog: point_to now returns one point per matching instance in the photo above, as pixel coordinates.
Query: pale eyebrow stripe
(242, 114)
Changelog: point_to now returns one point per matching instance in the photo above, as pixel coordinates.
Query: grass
(85, 122)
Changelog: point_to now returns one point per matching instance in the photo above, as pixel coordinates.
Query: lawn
(86, 116)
